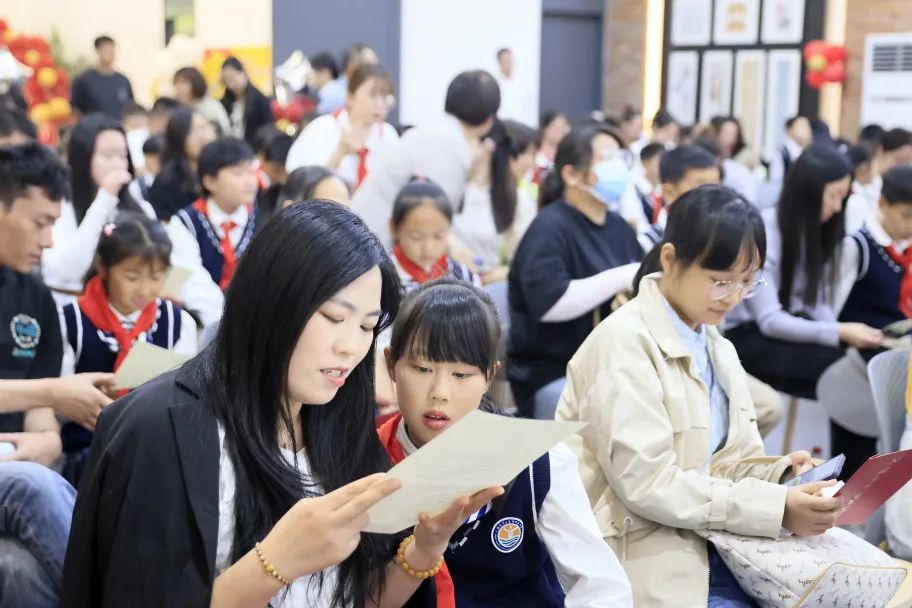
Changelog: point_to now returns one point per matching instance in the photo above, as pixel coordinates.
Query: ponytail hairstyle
(575, 150)
(132, 234)
(510, 140)
(805, 241)
(711, 226)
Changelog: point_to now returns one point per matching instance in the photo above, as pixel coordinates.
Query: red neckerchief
(94, 304)
(657, 206)
(904, 260)
(361, 154)
(418, 273)
(446, 594)
(229, 258)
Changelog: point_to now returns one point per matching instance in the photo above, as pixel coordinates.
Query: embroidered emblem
(26, 334)
(507, 534)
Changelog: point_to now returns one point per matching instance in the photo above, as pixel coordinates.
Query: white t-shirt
(304, 591)
(317, 142)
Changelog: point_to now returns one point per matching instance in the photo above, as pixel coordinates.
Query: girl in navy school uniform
(120, 305)
(420, 226)
(538, 544)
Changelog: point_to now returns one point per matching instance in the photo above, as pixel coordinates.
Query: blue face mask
(613, 179)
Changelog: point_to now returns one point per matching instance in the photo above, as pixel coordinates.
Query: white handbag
(833, 570)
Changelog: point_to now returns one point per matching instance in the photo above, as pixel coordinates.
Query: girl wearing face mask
(101, 176)
(576, 256)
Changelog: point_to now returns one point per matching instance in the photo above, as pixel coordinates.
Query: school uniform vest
(95, 351)
(499, 560)
(209, 246)
(874, 299)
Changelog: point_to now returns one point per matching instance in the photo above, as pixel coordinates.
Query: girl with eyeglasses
(672, 447)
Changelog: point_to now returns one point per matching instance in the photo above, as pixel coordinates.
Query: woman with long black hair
(244, 477)
(101, 173)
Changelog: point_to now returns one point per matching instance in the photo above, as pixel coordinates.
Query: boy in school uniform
(648, 183)
(223, 220)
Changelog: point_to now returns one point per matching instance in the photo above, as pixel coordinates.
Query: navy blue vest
(96, 351)
(874, 298)
(499, 559)
(210, 248)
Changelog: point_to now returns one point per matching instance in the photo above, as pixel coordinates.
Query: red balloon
(815, 80)
(834, 72)
(814, 47)
(835, 52)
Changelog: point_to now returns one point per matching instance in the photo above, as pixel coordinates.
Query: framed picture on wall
(783, 21)
(716, 84)
(736, 22)
(750, 95)
(691, 22)
(783, 88)
(681, 86)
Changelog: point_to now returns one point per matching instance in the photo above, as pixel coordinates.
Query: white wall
(441, 39)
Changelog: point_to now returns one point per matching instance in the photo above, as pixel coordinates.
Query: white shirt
(587, 568)
(317, 142)
(304, 591)
(218, 216)
(870, 191)
(66, 263)
(474, 226)
(777, 165)
(740, 179)
(186, 343)
(515, 101)
(200, 293)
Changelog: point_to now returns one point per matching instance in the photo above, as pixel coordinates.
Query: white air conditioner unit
(886, 94)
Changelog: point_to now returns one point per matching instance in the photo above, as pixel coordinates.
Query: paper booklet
(480, 451)
(174, 282)
(144, 362)
(873, 484)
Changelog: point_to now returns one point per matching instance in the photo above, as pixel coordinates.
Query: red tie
(227, 254)
(904, 259)
(657, 205)
(362, 166)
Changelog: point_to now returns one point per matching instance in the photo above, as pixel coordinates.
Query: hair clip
(108, 229)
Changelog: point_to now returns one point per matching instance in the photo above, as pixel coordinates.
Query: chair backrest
(888, 373)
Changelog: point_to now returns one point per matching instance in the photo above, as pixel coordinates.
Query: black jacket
(145, 526)
(257, 111)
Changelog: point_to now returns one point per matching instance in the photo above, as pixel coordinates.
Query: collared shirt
(217, 216)
(695, 340)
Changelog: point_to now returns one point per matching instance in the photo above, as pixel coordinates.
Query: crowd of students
(644, 288)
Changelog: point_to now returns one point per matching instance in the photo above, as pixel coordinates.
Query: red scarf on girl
(904, 260)
(439, 269)
(446, 594)
(94, 304)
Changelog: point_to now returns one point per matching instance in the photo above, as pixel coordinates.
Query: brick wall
(624, 46)
(867, 17)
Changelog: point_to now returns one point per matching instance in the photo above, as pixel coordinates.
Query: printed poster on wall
(783, 87)
(681, 86)
(690, 22)
(716, 85)
(750, 94)
(783, 21)
(736, 22)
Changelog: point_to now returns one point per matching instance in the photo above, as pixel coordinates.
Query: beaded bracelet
(402, 563)
(269, 568)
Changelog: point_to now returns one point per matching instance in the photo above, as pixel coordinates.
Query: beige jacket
(643, 453)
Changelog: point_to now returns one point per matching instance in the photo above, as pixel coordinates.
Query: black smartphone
(828, 470)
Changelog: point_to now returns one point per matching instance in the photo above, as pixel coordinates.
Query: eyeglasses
(720, 290)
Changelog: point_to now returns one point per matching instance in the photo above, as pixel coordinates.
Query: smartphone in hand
(828, 470)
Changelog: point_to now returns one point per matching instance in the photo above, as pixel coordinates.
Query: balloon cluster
(48, 89)
(825, 63)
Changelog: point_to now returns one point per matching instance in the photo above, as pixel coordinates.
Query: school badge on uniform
(507, 534)
(26, 334)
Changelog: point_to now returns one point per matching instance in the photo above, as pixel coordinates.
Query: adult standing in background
(102, 88)
(515, 100)
(247, 107)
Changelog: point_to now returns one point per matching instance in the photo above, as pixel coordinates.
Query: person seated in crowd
(895, 149)
(724, 136)
(247, 107)
(101, 177)
(552, 129)
(671, 448)
(574, 259)
(499, 203)
(195, 481)
(303, 184)
(443, 151)
(648, 181)
(322, 83)
(274, 156)
(223, 220)
(630, 124)
(350, 140)
(443, 357)
(865, 188)
(680, 171)
(789, 334)
(15, 128)
(192, 90)
(332, 93)
(135, 123)
(665, 129)
(120, 306)
(160, 113)
(798, 136)
(420, 227)
(152, 152)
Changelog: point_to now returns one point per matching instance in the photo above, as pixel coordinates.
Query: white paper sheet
(174, 282)
(480, 451)
(144, 362)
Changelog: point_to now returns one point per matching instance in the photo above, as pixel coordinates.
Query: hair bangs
(735, 237)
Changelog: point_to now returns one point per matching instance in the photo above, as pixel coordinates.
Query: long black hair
(718, 121)
(510, 139)
(804, 238)
(176, 167)
(80, 150)
(298, 262)
(575, 149)
(711, 226)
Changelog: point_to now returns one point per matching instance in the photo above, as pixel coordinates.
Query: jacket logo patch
(26, 334)
(507, 534)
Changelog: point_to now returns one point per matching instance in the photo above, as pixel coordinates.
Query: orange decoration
(47, 77)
